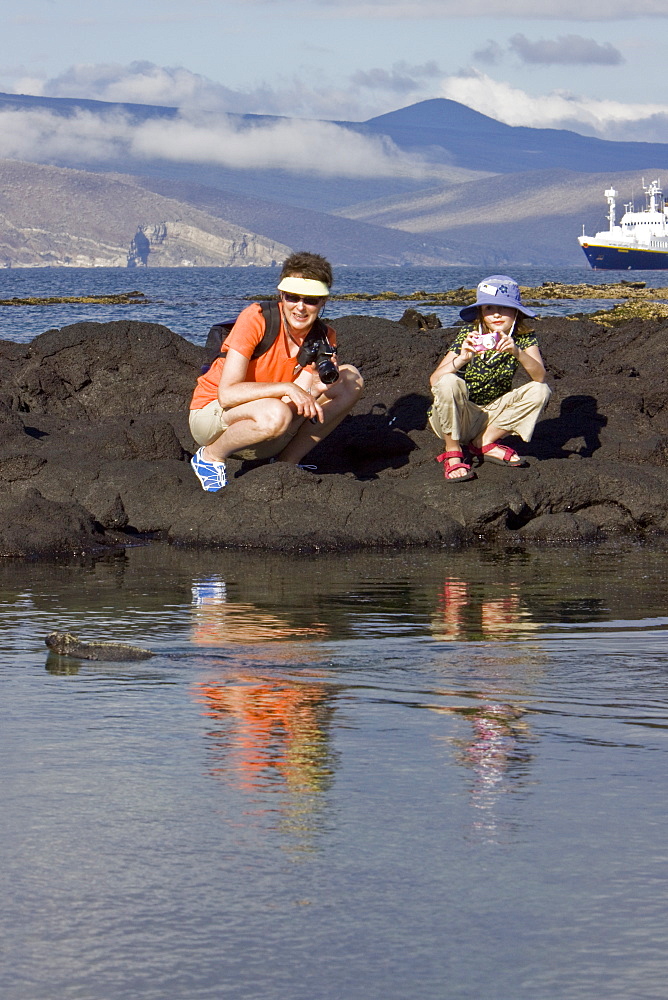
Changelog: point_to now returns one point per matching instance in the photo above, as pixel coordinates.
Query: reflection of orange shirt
(278, 729)
(275, 365)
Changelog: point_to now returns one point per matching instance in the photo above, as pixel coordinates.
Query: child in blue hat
(475, 404)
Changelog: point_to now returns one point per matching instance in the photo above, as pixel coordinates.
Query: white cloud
(291, 144)
(565, 10)
(401, 79)
(604, 118)
(204, 133)
(146, 83)
(566, 50)
(138, 83)
(294, 145)
(27, 85)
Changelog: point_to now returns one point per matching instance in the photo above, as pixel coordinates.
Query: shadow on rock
(579, 423)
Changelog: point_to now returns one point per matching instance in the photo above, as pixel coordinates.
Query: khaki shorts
(516, 411)
(209, 423)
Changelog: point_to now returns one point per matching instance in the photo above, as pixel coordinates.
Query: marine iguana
(66, 644)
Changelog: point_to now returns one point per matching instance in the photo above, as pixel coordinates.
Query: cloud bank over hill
(143, 82)
(293, 145)
(590, 116)
(363, 95)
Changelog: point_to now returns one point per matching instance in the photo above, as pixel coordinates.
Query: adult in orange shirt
(271, 407)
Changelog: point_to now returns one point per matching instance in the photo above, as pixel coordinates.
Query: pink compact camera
(485, 341)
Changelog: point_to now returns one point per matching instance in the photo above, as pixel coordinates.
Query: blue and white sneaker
(212, 475)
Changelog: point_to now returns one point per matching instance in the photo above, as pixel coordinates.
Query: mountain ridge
(91, 219)
(505, 192)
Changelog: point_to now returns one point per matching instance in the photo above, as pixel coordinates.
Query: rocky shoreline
(537, 295)
(114, 299)
(95, 448)
(633, 300)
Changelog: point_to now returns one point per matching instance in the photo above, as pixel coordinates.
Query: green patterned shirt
(490, 374)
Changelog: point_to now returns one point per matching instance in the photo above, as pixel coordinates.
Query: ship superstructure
(639, 242)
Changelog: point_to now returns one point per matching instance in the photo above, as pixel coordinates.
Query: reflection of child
(451, 603)
(474, 402)
(495, 736)
(460, 616)
(496, 750)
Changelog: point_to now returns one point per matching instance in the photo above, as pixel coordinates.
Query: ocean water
(388, 775)
(373, 776)
(190, 300)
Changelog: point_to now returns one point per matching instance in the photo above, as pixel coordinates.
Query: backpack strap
(272, 325)
(219, 331)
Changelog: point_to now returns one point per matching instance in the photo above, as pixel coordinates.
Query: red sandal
(508, 455)
(449, 469)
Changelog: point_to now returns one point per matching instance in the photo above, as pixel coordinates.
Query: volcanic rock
(95, 448)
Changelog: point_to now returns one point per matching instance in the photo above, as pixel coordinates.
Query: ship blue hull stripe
(613, 259)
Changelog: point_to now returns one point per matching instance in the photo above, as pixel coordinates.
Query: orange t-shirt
(275, 365)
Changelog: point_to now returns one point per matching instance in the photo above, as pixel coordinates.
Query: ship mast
(653, 194)
(611, 194)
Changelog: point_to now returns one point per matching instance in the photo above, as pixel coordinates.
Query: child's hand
(506, 345)
(468, 348)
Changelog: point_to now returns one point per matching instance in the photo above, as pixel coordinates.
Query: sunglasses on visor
(308, 300)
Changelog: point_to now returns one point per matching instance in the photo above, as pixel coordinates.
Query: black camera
(318, 350)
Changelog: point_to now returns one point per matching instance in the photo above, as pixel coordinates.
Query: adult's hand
(305, 405)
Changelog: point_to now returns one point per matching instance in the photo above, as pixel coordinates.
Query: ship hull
(605, 258)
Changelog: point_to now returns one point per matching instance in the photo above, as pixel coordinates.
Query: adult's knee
(272, 419)
(349, 384)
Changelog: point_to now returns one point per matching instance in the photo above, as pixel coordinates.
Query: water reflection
(269, 731)
(217, 620)
(461, 615)
(497, 753)
(442, 732)
(495, 749)
(269, 736)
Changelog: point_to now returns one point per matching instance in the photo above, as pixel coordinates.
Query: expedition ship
(638, 243)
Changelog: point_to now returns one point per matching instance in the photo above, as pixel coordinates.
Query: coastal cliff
(176, 244)
(58, 217)
(51, 217)
(95, 448)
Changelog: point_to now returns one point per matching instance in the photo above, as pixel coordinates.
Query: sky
(597, 68)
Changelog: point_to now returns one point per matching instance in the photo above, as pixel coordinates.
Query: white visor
(303, 286)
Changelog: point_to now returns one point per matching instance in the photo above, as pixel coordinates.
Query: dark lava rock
(33, 524)
(95, 448)
(414, 320)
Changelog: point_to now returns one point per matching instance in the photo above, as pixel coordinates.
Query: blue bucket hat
(497, 290)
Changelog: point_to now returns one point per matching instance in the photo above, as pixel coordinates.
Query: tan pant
(455, 415)
(209, 422)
